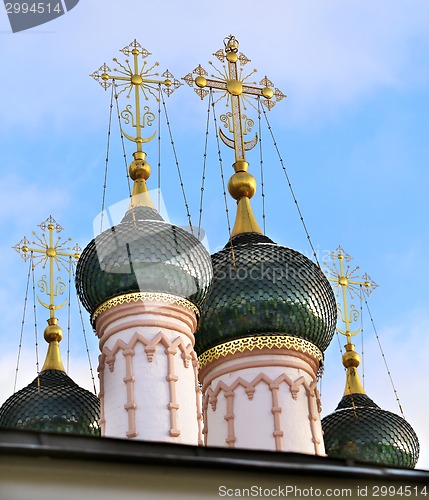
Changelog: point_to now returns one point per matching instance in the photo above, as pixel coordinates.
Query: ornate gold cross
(140, 80)
(347, 281)
(234, 87)
(46, 250)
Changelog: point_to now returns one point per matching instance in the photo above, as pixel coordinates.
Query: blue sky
(352, 133)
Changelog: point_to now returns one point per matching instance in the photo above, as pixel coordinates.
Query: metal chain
(69, 317)
(177, 164)
(203, 178)
(362, 336)
(291, 189)
(261, 163)
(384, 358)
(35, 315)
(84, 333)
(107, 161)
(221, 171)
(124, 153)
(223, 184)
(159, 147)
(22, 326)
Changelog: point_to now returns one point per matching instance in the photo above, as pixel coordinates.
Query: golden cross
(45, 249)
(140, 80)
(234, 87)
(346, 280)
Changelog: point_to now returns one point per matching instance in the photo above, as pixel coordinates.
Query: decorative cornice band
(128, 298)
(260, 342)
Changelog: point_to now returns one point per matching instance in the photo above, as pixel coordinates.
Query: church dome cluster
(143, 254)
(360, 430)
(261, 288)
(251, 289)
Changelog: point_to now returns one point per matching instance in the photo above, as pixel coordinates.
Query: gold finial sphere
(351, 358)
(53, 332)
(105, 77)
(200, 81)
(135, 52)
(267, 92)
(139, 168)
(343, 281)
(168, 83)
(242, 184)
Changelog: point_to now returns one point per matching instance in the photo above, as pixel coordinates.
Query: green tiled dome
(143, 254)
(367, 433)
(53, 403)
(261, 288)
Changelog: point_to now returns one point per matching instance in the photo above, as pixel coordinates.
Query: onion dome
(261, 288)
(360, 430)
(143, 253)
(52, 402)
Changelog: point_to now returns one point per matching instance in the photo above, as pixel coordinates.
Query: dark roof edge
(72, 447)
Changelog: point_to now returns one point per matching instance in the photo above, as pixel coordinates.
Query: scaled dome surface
(261, 288)
(52, 403)
(143, 254)
(360, 430)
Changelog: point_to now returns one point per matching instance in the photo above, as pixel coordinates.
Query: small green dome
(261, 288)
(52, 403)
(360, 430)
(143, 254)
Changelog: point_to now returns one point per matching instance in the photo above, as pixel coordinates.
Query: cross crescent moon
(230, 142)
(139, 139)
(348, 333)
(51, 307)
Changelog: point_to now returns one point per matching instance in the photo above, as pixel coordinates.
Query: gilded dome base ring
(128, 298)
(260, 342)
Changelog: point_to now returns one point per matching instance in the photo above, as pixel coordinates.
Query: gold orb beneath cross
(53, 333)
(351, 359)
(139, 169)
(242, 184)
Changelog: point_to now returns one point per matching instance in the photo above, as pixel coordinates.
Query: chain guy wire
(362, 336)
(24, 312)
(261, 163)
(291, 188)
(35, 322)
(177, 163)
(384, 358)
(107, 160)
(159, 147)
(84, 331)
(124, 153)
(203, 177)
(68, 317)
(223, 182)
